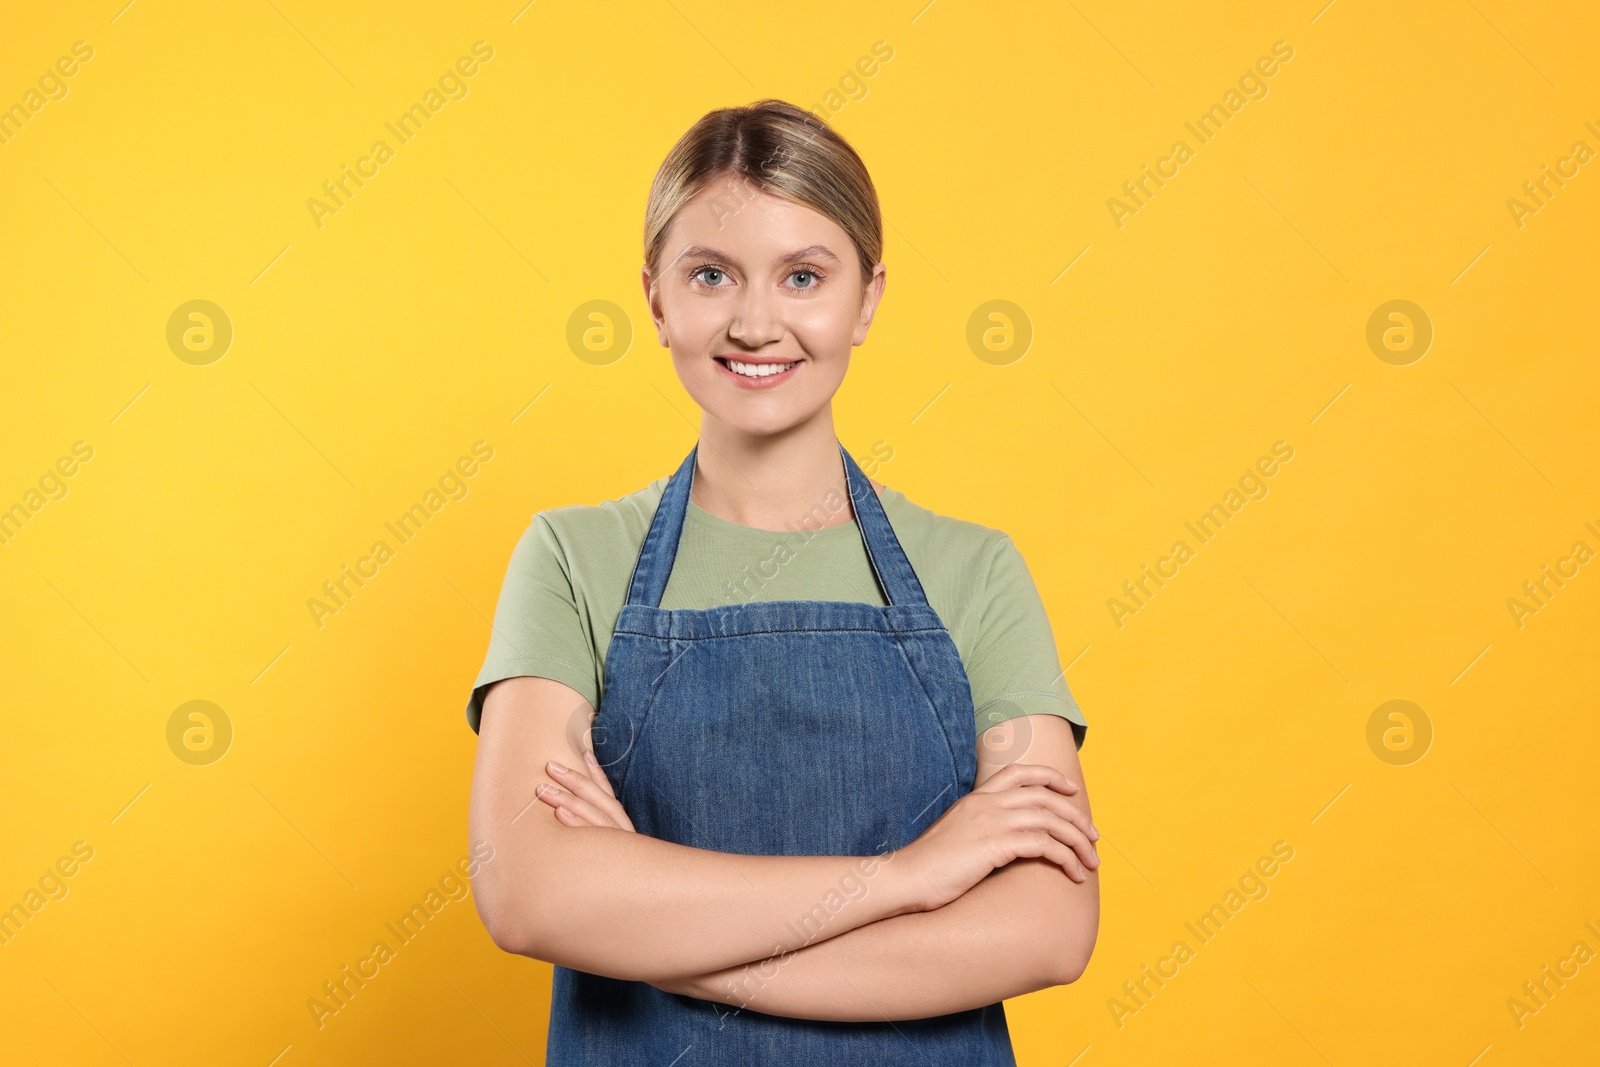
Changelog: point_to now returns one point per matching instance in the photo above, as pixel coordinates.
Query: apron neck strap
(895, 574)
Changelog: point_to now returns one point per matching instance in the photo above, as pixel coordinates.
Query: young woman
(829, 810)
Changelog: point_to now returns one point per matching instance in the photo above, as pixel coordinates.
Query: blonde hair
(779, 149)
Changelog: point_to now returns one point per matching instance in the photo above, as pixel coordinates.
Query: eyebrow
(809, 252)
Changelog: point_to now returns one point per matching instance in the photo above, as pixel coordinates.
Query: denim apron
(793, 728)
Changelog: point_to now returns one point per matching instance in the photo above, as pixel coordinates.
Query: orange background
(1135, 374)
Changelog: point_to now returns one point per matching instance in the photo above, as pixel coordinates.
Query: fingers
(575, 782)
(565, 816)
(1016, 774)
(582, 796)
(1072, 838)
(572, 809)
(1024, 779)
(1049, 848)
(597, 772)
(1036, 796)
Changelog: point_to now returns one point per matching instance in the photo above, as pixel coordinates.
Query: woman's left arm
(1025, 927)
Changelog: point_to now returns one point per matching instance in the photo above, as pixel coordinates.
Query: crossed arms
(573, 888)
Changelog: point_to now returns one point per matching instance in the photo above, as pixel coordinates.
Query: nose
(756, 320)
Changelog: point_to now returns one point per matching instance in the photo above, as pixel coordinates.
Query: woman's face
(751, 284)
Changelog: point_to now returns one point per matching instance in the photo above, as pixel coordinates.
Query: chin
(759, 426)
(760, 420)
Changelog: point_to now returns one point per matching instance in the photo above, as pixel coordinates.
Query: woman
(779, 840)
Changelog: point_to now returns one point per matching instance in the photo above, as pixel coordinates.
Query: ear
(869, 302)
(652, 305)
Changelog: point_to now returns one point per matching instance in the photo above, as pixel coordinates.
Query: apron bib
(790, 727)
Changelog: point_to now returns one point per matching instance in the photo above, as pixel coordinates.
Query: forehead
(733, 214)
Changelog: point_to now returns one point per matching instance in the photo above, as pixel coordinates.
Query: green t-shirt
(569, 573)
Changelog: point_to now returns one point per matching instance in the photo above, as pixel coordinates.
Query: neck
(794, 480)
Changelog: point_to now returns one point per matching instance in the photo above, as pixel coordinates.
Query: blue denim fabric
(796, 728)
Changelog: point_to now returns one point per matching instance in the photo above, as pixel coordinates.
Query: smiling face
(760, 300)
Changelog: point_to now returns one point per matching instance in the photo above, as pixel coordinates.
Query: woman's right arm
(609, 901)
(629, 906)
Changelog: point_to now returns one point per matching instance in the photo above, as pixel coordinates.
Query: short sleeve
(1014, 668)
(538, 629)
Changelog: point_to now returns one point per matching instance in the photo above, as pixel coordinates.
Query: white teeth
(759, 370)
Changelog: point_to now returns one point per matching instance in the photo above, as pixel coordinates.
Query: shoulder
(580, 532)
(941, 538)
(629, 512)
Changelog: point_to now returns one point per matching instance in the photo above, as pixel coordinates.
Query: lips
(766, 380)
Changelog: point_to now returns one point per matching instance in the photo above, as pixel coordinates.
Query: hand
(584, 799)
(1020, 811)
(589, 801)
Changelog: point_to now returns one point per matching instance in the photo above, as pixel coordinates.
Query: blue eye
(711, 277)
